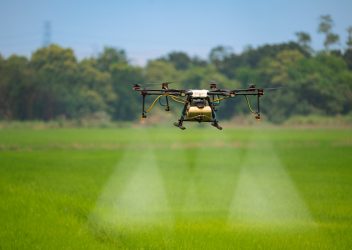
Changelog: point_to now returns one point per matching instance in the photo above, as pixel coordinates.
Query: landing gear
(216, 125)
(198, 117)
(179, 125)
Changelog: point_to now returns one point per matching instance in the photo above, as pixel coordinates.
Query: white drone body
(201, 93)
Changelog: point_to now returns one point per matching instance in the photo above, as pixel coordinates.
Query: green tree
(161, 71)
(325, 83)
(325, 26)
(110, 56)
(276, 70)
(180, 60)
(219, 54)
(304, 39)
(127, 106)
(320, 85)
(15, 82)
(56, 80)
(95, 89)
(200, 77)
(2, 89)
(196, 61)
(349, 38)
(347, 56)
(122, 102)
(253, 57)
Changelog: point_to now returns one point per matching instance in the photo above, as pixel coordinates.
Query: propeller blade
(273, 88)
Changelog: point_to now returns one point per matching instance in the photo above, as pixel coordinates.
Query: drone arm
(160, 95)
(239, 92)
(162, 92)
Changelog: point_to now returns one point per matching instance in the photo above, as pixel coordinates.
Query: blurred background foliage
(53, 84)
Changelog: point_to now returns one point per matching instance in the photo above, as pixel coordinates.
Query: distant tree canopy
(325, 26)
(52, 83)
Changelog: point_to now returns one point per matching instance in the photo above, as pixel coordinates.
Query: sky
(148, 29)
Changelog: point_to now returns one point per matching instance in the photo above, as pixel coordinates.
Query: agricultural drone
(199, 105)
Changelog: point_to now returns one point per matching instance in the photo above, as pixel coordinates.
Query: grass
(162, 188)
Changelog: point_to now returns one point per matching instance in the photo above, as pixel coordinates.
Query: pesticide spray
(265, 193)
(134, 196)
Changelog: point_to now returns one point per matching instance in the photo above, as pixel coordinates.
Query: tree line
(54, 84)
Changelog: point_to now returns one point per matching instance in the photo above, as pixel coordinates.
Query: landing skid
(180, 126)
(216, 125)
(177, 124)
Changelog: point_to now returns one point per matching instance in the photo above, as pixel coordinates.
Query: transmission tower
(47, 34)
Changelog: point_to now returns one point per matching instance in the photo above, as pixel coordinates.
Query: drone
(199, 105)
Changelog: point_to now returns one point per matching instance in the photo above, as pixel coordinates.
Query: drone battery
(199, 114)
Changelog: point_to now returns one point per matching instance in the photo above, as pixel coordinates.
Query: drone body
(199, 105)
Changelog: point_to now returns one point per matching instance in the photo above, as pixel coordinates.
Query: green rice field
(163, 188)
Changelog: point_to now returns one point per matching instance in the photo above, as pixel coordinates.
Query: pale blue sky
(148, 29)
